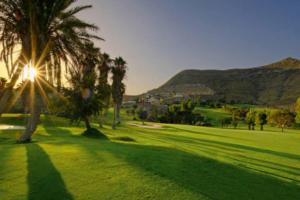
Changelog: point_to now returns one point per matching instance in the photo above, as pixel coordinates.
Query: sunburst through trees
(40, 40)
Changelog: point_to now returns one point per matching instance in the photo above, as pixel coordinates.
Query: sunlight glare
(29, 72)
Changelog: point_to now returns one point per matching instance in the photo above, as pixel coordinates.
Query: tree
(250, 119)
(236, 115)
(282, 118)
(103, 87)
(82, 95)
(118, 87)
(47, 34)
(143, 114)
(225, 122)
(261, 119)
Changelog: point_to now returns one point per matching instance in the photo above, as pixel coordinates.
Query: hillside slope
(277, 83)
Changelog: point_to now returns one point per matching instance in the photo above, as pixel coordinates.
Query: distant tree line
(282, 118)
(189, 112)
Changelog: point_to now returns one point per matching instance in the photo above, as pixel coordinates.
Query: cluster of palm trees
(49, 36)
(90, 92)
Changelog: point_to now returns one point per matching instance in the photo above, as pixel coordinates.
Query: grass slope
(176, 162)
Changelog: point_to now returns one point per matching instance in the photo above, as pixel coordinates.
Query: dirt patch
(153, 126)
(11, 127)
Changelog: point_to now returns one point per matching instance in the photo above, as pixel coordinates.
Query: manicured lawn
(175, 162)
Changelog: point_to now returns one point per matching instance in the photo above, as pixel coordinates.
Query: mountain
(274, 84)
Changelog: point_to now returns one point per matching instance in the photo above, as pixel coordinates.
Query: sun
(29, 72)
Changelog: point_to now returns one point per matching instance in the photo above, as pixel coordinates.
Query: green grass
(214, 115)
(175, 162)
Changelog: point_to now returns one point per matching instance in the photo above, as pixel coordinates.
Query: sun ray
(49, 86)
(32, 96)
(43, 94)
(15, 98)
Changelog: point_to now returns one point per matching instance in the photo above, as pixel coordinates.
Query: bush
(94, 133)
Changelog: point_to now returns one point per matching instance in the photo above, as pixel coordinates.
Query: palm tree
(82, 95)
(104, 88)
(46, 34)
(118, 87)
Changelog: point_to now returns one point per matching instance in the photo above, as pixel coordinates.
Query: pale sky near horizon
(159, 38)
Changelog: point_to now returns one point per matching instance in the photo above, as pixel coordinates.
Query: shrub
(94, 133)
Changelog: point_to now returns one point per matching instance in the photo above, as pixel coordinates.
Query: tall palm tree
(118, 87)
(82, 80)
(104, 88)
(46, 34)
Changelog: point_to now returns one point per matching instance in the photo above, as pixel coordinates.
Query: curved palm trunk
(32, 123)
(35, 107)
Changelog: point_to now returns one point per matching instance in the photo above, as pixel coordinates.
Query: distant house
(127, 104)
(153, 100)
(177, 98)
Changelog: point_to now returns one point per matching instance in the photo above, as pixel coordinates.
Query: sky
(159, 38)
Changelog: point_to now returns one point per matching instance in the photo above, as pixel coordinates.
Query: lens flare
(29, 72)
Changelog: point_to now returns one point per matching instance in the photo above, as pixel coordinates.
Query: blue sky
(159, 38)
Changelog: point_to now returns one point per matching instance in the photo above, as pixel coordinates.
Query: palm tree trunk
(118, 119)
(101, 116)
(114, 119)
(87, 123)
(32, 123)
(35, 110)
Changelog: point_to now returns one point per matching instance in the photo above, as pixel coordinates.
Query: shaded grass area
(41, 170)
(176, 162)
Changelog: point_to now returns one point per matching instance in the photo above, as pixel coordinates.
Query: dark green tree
(262, 119)
(118, 87)
(143, 114)
(104, 89)
(250, 119)
(83, 97)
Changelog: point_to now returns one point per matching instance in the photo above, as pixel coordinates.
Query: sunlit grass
(175, 162)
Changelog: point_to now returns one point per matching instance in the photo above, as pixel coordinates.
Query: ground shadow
(206, 134)
(201, 175)
(191, 140)
(205, 176)
(43, 179)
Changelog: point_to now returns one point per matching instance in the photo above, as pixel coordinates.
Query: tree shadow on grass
(200, 175)
(204, 176)
(191, 140)
(206, 133)
(43, 179)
